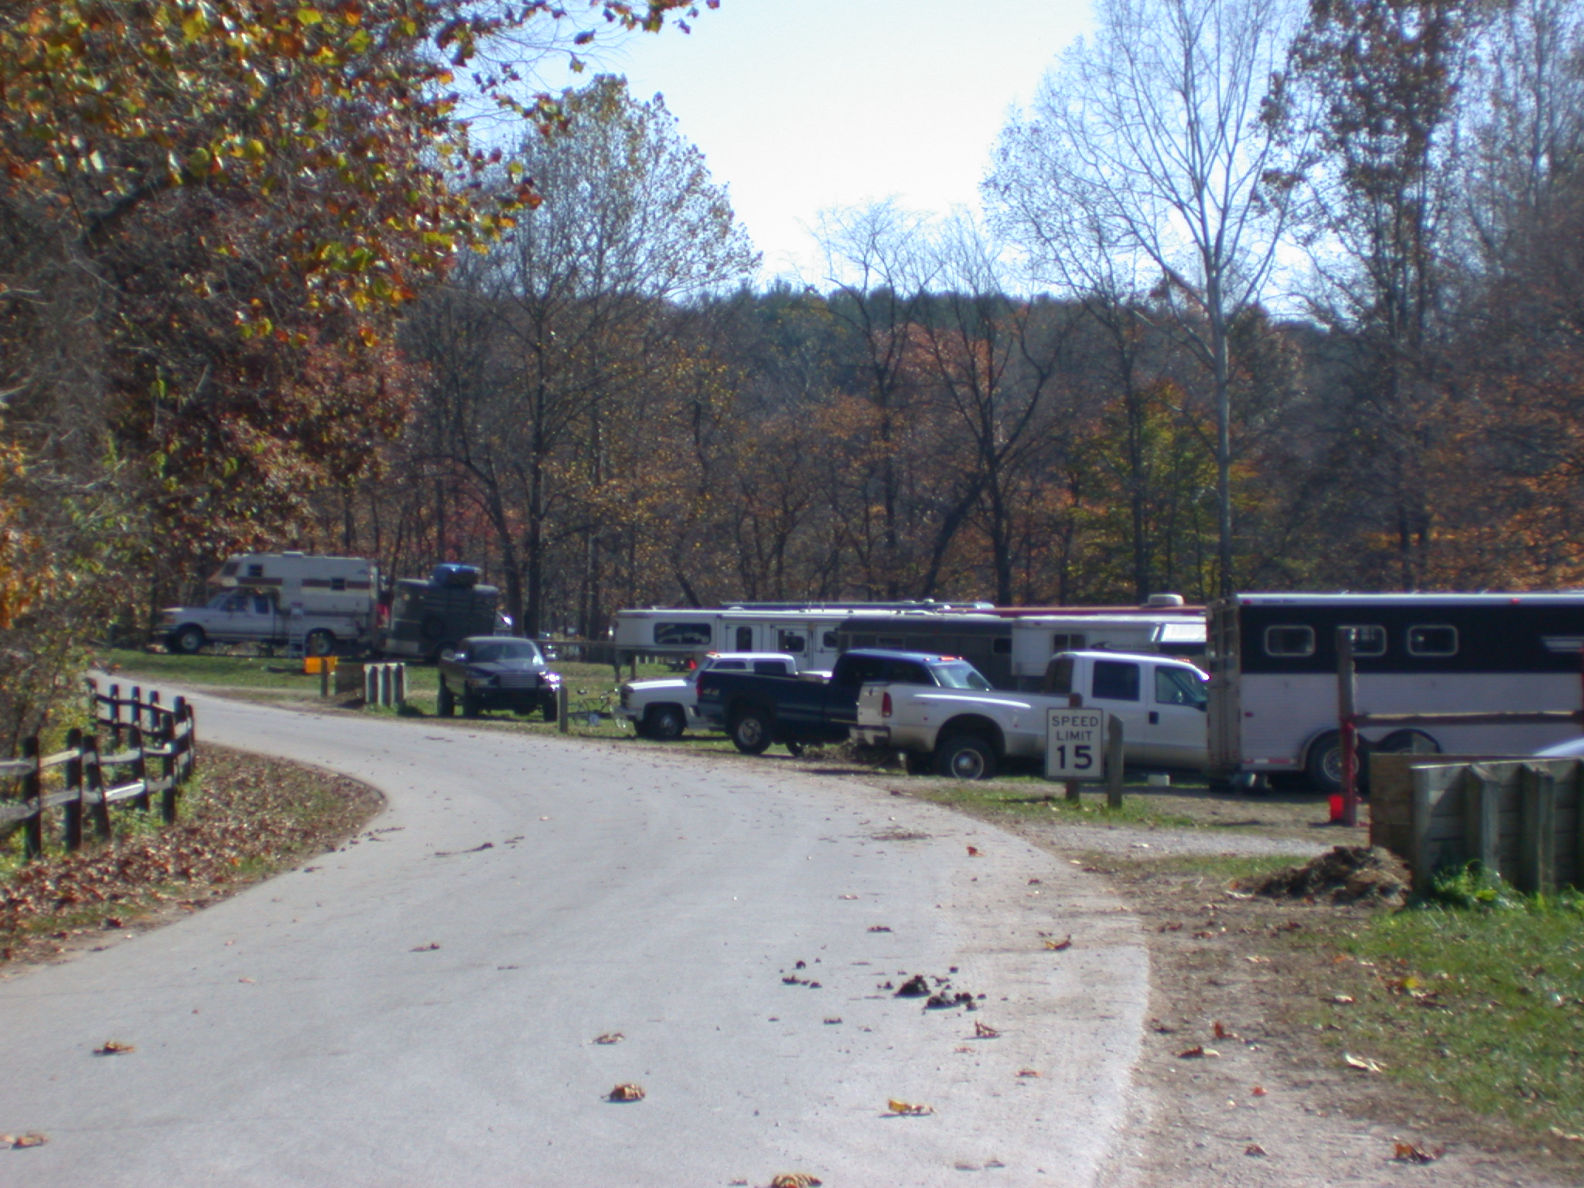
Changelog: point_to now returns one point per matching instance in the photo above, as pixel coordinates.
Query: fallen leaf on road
(609, 1037)
(973, 852)
(985, 1031)
(31, 1139)
(879, 928)
(1340, 1000)
(1413, 1153)
(626, 1091)
(429, 948)
(1253, 1149)
(1258, 1091)
(908, 1109)
(1197, 1052)
(1566, 1136)
(1363, 1062)
(1218, 1029)
(832, 1020)
(795, 1180)
(1028, 1072)
(1057, 946)
(113, 1048)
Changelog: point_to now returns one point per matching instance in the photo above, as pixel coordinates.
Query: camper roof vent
(1164, 600)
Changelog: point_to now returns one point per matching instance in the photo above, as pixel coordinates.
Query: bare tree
(1143, 157)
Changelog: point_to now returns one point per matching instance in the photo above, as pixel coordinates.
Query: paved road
(421, 1007)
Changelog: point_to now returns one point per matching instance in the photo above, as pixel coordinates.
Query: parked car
(663, 707)
(497, 672)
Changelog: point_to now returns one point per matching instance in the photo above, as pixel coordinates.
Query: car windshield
(503, 649)
(959, 674)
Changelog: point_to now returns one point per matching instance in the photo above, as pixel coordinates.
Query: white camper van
(293, 600)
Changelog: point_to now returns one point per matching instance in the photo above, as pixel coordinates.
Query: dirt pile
(1345, 874)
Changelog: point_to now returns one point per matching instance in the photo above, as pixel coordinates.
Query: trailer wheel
(188, 640)
(965, 757)
(1323, 764)
(445, 704)
(664, 723)
(1408, 742)
(750, 730)
(319, 643)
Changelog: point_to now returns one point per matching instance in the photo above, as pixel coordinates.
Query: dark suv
(497, 672)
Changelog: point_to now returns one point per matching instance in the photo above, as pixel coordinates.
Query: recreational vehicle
(1273, 675)
(1013, 646)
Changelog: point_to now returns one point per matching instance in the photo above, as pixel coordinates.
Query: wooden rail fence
(151, 754)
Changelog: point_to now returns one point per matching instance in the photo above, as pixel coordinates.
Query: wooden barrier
(1522, 819)
(385, 683)
(75, 780)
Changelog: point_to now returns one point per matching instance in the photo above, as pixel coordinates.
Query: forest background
(1265, 295)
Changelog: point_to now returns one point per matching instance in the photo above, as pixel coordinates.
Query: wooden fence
(151, 754)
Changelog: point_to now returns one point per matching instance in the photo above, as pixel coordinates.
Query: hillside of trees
(1264, 295)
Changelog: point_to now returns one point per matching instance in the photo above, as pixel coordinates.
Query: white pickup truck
(662, 708)
(967, 734)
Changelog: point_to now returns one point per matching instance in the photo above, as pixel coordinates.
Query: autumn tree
(1372, 86)
(1142, 158)
(582, 330)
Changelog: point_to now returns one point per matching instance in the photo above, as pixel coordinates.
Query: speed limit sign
(1075, 744)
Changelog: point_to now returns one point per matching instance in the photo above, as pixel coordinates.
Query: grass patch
(1475, 996)
(1035, 798)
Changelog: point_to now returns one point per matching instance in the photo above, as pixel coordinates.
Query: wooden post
(562, 725)
(94, 786)
(184, 729)
(1482, 820)
(1113, 761)
(73, 809)
(324, 677)
(1537, 841)
(1347, 698)
(1073, 797)
(33, 789)
(115, 715)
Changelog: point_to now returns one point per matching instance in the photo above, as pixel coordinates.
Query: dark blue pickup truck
(757, 710)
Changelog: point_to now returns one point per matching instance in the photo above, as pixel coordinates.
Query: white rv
(807, 632)
(293, 600)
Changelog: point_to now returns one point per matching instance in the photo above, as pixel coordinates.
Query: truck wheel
(445, 704)
(965, 757)
(1323, 764)
(663, 723)
(750, 731)
(188, 640)
(319, 643)
(470, 704)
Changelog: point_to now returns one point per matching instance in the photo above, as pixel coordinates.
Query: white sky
(803, 106)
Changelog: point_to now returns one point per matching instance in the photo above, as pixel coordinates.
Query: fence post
(1114, 764)
(169, 767)
(399, 684)
(1537, 839)
(73, 809)
(94, 789)
(562, 725)
(184, 732)
(33, 789)
(114, 721)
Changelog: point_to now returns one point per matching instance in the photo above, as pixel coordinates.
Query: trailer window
(1064, 642)
(828, 641)
(1116, 680)
(682, 634)
(1292, 640)
(793, 641)
(255, 569)
(1434, 640)
(745, 639)
(1368, 640)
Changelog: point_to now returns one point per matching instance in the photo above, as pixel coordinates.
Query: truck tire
(470, 704)
(1323, 763)
(965, 757)
(445, 704)
(750, 729)
(319, 643)
(188, 640)
(664, 723)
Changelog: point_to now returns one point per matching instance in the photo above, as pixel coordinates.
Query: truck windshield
(959, 674)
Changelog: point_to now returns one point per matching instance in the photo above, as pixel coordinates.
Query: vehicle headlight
(552, 679)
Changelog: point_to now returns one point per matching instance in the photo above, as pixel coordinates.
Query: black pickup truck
(757, 710)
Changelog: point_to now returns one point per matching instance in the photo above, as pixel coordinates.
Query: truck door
(1177, 717)
(1117, 686)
